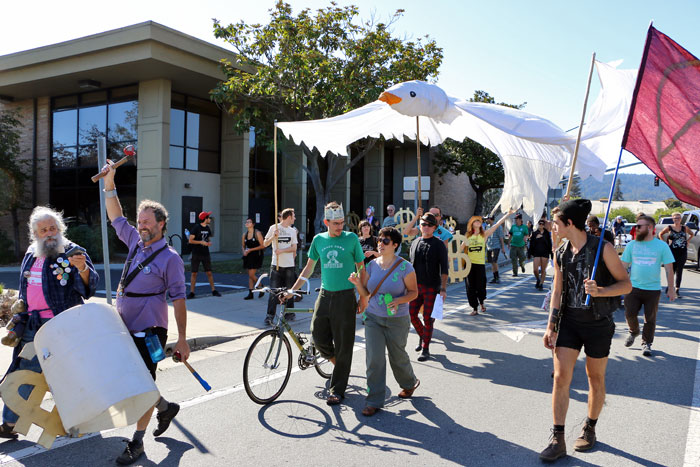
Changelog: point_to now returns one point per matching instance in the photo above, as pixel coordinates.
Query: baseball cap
(518, 216)
(204, 214)
(429, 218)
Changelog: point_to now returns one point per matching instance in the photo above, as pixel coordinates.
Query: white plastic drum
(95, 373)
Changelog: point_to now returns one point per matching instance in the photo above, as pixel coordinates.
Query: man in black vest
(573, 324)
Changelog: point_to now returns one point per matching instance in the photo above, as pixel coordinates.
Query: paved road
(484, 400)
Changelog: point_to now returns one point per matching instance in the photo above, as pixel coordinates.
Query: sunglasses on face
(425, 224)
(639, 226)
(385, 240)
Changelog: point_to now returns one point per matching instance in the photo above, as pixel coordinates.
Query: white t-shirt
(287, 238)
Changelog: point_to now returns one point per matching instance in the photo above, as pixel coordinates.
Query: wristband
(83, 270)
(111, 193)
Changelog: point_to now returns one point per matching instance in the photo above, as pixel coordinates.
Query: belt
(336, 292)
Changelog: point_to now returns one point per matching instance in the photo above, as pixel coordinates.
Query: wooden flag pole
(420, 193)
(276, 216)
(580, 127)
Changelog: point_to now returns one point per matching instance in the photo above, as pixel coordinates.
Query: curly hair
(158, 210)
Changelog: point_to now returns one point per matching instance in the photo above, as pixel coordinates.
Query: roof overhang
(122, 56)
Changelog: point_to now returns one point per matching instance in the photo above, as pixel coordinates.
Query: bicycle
(268, 362)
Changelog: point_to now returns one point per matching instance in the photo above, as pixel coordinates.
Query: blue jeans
(8, 416)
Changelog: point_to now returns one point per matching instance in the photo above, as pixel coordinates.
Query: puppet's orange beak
(389, 98)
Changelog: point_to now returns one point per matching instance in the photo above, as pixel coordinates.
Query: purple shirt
(167, 272)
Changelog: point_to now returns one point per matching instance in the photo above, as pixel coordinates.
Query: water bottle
(154, 347)
(187, 233)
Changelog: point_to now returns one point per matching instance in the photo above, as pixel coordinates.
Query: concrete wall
(455, 196)
(234, 185)
(202, 184)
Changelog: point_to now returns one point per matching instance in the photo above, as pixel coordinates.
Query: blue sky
(533, 51)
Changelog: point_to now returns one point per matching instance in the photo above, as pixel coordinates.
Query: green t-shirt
(646, 259)
(518, 234)
(338, 256)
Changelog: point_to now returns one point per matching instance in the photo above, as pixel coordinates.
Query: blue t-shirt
(646, 259)
(443, 234)
(393, 285)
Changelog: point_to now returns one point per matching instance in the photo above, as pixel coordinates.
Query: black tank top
(678, 240)
(253, 242)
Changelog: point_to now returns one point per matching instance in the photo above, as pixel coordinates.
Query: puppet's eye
(413, 93)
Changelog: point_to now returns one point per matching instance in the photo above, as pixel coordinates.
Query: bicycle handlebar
(279, 290)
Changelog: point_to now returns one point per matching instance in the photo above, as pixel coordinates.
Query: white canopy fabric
(534, 151)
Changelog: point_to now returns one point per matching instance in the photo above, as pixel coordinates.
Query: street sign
(409, 184)
(411, 195)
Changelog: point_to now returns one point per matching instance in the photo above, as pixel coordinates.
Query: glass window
(90, 98)
(177, 157)
(123, 121)
(93, 123)
(63, 157)
(65, 128)
(126, 93)
(192, 130)
(177, 127)
(192, 162)
(208, 161)
(208, 133)
(65, 102)
(87, 156)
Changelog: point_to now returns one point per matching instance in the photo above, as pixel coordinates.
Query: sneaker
(134, 450)
(165, 417)
(190, 296)
(586, 440)
(630, 340)
(522, 268)
(290, 316)
(556, 447)
(425, 355)
(646, 350)
(268, 321)
(407, 393)
(7, 431)
(217, 294)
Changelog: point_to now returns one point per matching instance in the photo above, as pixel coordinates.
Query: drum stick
(130, 153)
(201, 380)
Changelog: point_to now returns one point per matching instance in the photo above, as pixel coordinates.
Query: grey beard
(43, 248)
(146, 236)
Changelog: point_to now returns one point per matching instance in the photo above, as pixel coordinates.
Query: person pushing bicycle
(333, 321)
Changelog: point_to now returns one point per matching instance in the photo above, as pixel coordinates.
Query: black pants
(681, 256)
(284, 277)
(634, 301)
(140, 342)
(476, 285)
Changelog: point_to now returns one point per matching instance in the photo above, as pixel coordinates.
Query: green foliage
(626, 213)
(673, 203)
(666, 212)
(90, 238)
(483, 167)
(617, 194)
(13, 170)
(575, 191)
(7, 254)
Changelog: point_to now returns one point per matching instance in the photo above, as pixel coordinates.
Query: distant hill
(634, 187)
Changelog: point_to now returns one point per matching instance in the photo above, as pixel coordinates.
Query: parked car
(622, 240)
(692, 220)
(663, 223)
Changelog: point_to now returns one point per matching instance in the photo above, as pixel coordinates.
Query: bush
(7, 251)
(666, 212)
(90, 238)
(626, 214)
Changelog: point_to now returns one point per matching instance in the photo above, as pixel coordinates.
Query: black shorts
(140, 342)
(205, 260)
(492, 255)
(595, 337)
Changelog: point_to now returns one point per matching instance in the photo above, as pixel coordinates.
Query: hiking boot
(586, 440)
(165, 417)
(217, 294)
(7, 431)
(290, 316)
(646, 349)
(556, 448)
(190, 296)
(407, 393)
(425, 355)
(630, 340)
(134, 450)
(249, 296)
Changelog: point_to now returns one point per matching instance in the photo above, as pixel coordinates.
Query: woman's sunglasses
(385, 240)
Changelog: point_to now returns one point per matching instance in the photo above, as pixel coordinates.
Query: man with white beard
(55, 275)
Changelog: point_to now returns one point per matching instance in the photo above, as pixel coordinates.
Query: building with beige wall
(148, 85)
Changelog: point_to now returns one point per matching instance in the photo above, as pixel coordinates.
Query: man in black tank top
(573, 324)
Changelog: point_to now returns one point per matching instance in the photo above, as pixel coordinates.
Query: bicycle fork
(275, 347)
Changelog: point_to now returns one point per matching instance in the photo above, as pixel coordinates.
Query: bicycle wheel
(322, 365)
(267, 367)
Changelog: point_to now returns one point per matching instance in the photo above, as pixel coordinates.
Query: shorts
(492, 255)
(595, 337)
(140, 342)
(205, 260)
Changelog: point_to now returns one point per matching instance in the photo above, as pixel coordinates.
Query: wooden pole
(580, 127)
(276, 216)
(420, 193)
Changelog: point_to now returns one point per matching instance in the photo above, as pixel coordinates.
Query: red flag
(663, 128)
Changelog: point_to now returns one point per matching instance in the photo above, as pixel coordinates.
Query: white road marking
(692, 444)
(517, 331)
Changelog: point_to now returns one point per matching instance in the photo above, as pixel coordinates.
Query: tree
(575, 191)
(483, 167)
(313, 66)
(673, 203)
(13, 173)
(626, 214)
(617, 194)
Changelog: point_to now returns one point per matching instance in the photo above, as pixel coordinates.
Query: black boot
(249, 296)
(420, 344)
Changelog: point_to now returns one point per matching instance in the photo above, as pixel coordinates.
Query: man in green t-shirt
(333, 322)
(518, 235)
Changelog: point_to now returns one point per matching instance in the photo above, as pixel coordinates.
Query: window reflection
(177, 127)
(93, 123)
(87, 156)
(123, 121)
(65, 127)
(63, 158)
(177, 157)
(192, 162)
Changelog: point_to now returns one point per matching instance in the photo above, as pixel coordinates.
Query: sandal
(333, 399)
(483, 308)
(474, 313)
(369, 411)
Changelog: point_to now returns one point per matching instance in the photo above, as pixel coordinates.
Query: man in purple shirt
(142, 303)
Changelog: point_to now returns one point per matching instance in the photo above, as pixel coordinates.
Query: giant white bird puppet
(534, 151)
